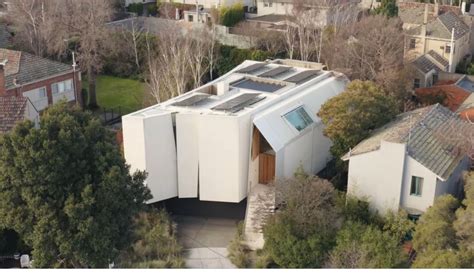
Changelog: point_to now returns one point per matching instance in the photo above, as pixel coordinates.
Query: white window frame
(418, 191)
(283, 116)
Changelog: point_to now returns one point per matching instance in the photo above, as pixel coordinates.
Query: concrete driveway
(205, 240)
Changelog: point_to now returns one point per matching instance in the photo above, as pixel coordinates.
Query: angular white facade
(210, 142)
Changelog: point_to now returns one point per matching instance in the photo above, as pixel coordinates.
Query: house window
(298, 118)
(190, 18)
(270, 4)
(412, 43)
(416, 83)
(447, 49)
(435, 78)
(265, 4)
(416, 185)
(42, 92)
(61, 87)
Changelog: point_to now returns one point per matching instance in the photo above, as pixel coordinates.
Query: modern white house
(254, 124)
(410, 161)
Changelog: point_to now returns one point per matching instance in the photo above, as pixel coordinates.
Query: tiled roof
(442, 27)
(28, 68)
(12, 111)
(454, 95)
(432, 60)
(426, 132)
(414, 12)
(5, 36)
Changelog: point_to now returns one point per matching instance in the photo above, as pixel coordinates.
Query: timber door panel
(266, 170)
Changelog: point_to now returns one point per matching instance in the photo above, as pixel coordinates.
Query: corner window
(298, 118)
(416, 185)
(447, 49)
(416, 83)
(42, 92)
(412, 43)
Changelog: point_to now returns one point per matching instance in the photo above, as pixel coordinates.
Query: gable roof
(27, 68)
(442, 27)
(12, 111)
(429, 61)
(426, 133)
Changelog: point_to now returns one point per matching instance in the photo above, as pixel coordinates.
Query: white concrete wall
(275, 8)
(377, 176)
(216, 3)
(149, 145)
(40, 103)
(32, 114)
(421, 203)
(187, 154)
(220, 176)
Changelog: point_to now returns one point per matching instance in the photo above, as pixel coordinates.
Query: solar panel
(275, 72)
(303, 76)
(238, 103)
(193, 100)
(251, 68)
(258, 85)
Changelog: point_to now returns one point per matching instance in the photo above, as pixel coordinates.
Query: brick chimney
(3, 91)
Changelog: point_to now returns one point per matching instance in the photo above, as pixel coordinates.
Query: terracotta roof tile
(12, 111)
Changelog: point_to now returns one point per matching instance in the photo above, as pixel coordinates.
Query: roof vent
(222, 88)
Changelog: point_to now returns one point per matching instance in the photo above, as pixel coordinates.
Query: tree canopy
(352, 115)
(67, 191)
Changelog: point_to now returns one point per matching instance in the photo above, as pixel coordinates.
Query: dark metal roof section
(251, 68)
(275, 72)
(256, 85)
(303, 76)
(191, 101)
(238, 103)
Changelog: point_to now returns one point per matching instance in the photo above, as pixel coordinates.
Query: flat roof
(246, 87)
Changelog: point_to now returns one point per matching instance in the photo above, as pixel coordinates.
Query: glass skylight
(299, 118)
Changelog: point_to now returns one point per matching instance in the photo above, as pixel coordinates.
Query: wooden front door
(266, 168)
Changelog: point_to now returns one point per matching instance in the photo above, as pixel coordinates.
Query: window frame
(416, 186)
(305, 119)
(447, 49)
(416, 83)
(412, 44)
(40, 93)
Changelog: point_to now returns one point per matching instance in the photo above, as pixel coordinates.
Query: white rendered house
(410, 161)
(256, 123)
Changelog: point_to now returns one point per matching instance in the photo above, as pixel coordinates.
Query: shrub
(231, 56)
(238, 252)
(155, 244)
(229, 16)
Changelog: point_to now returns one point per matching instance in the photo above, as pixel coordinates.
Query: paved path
(205, 240)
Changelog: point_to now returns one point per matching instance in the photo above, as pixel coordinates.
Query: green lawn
(115, 92)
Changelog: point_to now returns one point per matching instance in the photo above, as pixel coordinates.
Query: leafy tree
(154, 243)
(351, 116)
(303, 231)
(398, 224)
(67, 191)
(229, 16)
(434, 230)
(388, 8)
(464, 224)
(366, 246)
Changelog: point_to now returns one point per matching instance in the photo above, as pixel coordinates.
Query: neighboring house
(16, 109)
(410, 161)
(347, 9)
(254, 124)
(43, 81)
(455, 90)
(426, 69)
(209, 4)
(412, 14)
(128, 2)
(447, 35)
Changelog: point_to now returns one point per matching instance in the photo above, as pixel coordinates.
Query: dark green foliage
(366, 246)
(229, 16)
(66, 189)
(231, 56)
(388, 8)
(135, 8)
(352, 115)
(154, 243)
